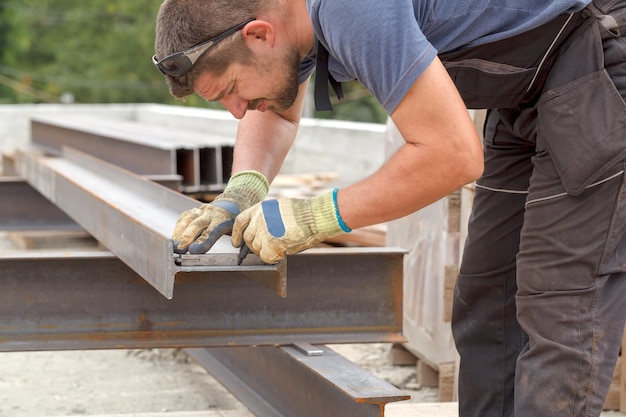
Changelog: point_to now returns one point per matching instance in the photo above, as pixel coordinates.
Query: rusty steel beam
(289, 381)
(92, 300)
(132, 217)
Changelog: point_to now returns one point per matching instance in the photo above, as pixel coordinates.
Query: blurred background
(98, 51)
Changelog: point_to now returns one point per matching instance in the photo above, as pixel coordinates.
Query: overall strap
(322, 77)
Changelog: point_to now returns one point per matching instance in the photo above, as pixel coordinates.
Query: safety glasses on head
(179, 63)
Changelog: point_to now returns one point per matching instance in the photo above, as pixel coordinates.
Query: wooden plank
(426, 375)
(306, 182)
(446, 381)
(8, 164)
(52, 239)
(623, 381)
(370, 236)
(401, 409)
(616, 397)
(441, 409)
(399, 356)
(451, 273)
(612, 401)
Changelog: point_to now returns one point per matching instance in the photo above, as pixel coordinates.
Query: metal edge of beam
(283, 381)
(130, 215)
(137, 131)
(59, 300)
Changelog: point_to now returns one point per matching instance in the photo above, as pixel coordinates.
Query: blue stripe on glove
(273, 218)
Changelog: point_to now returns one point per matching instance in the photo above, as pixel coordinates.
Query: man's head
(217, 41)
(183, 24)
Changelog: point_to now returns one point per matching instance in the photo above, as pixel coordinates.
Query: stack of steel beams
(202, 160)
(238, 319)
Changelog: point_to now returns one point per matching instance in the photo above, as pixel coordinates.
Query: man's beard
(289, 94)
(289, 90)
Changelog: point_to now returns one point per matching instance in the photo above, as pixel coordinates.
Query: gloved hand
(276, 228)
(198, 229)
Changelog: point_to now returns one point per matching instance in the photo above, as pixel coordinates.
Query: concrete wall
(15, 119)
(352, 150)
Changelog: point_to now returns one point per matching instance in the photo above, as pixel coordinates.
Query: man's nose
(236, 106)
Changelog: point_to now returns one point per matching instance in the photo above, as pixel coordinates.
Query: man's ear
(259, 30)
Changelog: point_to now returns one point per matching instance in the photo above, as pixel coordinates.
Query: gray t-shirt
(386, 45)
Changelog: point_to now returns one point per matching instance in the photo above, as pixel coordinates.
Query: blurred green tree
(77, 51)
(99, 51)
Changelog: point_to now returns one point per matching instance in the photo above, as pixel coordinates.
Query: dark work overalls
(540, 302)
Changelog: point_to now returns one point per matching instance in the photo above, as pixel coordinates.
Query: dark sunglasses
(179, 63)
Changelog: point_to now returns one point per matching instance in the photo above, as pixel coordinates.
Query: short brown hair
(182, 24)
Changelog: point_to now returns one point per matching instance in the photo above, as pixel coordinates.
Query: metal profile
(283, 382)
(59, 300)
(203, 160)
(131, 216)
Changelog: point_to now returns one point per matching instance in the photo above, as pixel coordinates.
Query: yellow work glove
(276, 228)
(198, 229)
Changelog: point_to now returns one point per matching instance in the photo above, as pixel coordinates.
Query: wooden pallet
(616, 399)
(448, 409)
(52, 239)
(441, 377)
(441, 409)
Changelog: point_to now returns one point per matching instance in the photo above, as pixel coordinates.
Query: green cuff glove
(276, 228)
(198, 229)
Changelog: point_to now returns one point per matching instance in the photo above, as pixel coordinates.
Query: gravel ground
(101, 382)
(38, 384)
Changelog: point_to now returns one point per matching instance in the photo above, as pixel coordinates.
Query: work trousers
(540, 301)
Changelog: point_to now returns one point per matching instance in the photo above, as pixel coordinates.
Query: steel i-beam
(132, 217)
(59, 300)
(204, 161)
(300, 380)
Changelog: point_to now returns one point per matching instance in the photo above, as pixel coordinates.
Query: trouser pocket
(583, 122)
(614, 253)
(485, 84)
(584, 125)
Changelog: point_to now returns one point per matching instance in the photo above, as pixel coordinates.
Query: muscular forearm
(412, 179)
(442, 153)
(264, 138)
